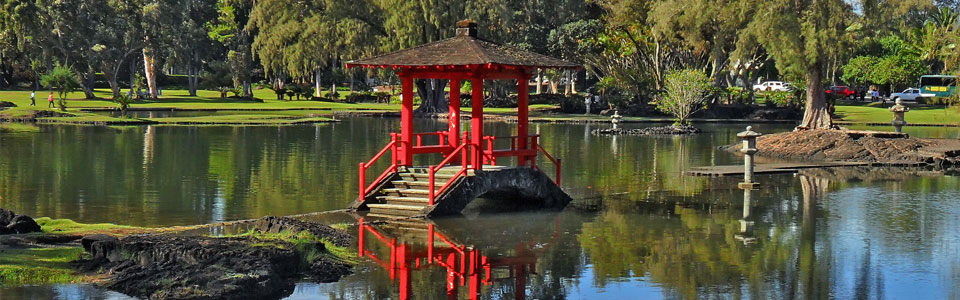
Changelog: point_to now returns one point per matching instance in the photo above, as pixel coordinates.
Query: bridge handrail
(514, 141)
(432, 194)
(441, 134)
(556, 161)
(392, 146)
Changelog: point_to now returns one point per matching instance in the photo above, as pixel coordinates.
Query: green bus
(938, 85)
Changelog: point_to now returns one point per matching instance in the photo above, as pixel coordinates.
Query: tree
(685, 92)
(801, 35)
(859, 70)
(63, 80)
(299, 39)
(218, 78)
(228, 29)
(188, 41)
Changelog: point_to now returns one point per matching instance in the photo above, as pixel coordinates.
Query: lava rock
(166, 266)
(11, 223)
(24, 224)
(194, 267)
(6, 216)
(280, 224)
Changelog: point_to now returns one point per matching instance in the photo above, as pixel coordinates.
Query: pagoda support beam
(453, 130)
(406, 121)
(523, 101)
(476, 122)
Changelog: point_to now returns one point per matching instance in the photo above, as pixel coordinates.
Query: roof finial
(467, 28)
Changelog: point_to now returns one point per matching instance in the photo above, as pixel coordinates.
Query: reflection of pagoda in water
(404, 247)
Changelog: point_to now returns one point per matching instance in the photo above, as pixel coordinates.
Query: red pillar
(406, 120)
(523, 101)
(520, 283)
(405, 273)
(476, 121)
(453, 131)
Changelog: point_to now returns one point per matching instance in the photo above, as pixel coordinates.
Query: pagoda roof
(462, 50)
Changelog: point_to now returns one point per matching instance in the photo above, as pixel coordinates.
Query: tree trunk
(193, 75)
(133, 73)
(816, 115)
(316, 81)
(148, 65)
(111, 75)
(431, 92)
(88, 80)
(539, 81)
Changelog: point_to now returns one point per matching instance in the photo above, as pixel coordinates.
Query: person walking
(33, 98)
(50, 100)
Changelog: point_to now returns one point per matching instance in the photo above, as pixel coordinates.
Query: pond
(637, 228)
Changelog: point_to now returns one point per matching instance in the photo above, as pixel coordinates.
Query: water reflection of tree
(692, 251)
(639, 165)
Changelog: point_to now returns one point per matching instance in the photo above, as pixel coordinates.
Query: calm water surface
(638, 229)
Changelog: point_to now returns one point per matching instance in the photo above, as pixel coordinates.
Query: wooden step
(385, 216)
(395, 214)
(424, 176)
(412, 228)
(411, 184)
(421, 201)
(407, 192)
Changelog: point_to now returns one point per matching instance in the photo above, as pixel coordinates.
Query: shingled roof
(463, 49)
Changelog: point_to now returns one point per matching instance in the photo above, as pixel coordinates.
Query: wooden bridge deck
(405, 194)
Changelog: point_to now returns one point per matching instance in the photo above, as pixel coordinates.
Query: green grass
(20, 266)
(67, 226)
(18, 127)
(272, 118)
(301, 242)
(180, 99)
(876, 113)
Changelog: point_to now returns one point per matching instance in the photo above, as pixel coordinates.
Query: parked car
(840, 90)
(910, 94)
(772, 86)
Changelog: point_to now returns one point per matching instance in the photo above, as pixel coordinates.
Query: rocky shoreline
(265, 262)
(860, 146)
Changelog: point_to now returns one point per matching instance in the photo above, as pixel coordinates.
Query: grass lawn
(180, 99)
(19, 266)
(269, 112)
(876, 113)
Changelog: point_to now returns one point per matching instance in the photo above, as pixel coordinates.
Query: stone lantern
(616, 118)
(898, 110)
(749, 138)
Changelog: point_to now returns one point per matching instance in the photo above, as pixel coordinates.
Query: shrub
(685, 93)
(63, 80)
(124, 102)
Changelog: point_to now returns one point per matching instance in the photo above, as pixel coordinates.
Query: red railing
(441, 136)
(516, 149)
(392, 147)
(460, 150)
(526, 149)
(556, 161)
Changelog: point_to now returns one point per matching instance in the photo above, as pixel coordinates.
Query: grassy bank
(50, 264)
(26, 114)
(877, 113)
(19, 266)
(275, 112)
(302, 242)
(180, 99)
